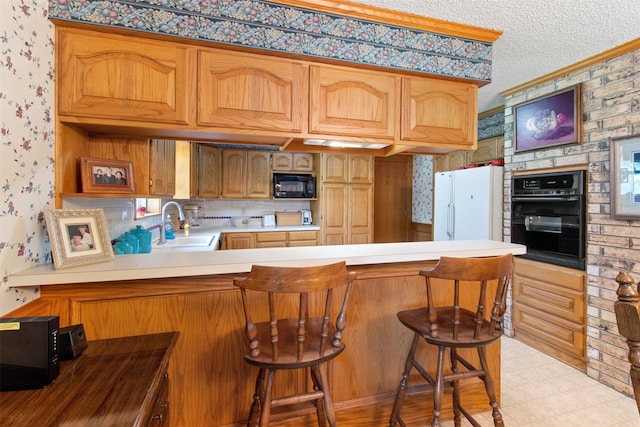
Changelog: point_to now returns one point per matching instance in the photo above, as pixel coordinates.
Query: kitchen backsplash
(120, 213)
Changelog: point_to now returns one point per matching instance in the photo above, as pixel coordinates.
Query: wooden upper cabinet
(162, 167)
(246, 174)
(334, 167)
(488, 149)
(292, 162)
(234, 175)
(347, 168)
(109, 76)
(353, 102)
(246, 91)
(258, 174)
(207, 170)
(303, 162)
(361, 169)
(439, 111)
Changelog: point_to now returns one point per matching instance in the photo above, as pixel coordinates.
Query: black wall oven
(548, 215)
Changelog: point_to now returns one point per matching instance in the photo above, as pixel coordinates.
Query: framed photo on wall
(78, 237)
(555, 119)
(106, 175)
(625, 177)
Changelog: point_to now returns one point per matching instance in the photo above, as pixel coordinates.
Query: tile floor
(540, 391)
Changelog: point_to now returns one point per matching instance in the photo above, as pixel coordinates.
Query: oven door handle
(546, 199)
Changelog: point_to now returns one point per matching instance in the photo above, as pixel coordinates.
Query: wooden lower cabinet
(346, 214)
(211, 384)
(238, 241)
(549, 310)
(276, 239)
(303, 238)
(270, 239)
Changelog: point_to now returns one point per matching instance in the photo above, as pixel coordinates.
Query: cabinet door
(457, 160)
(246, 91)
(258, 174)
(334, 168)
(120, 77)
(345, 101)
(282, 162)
(488, 149)
(361, 169)
(162, 167)
(303, 162)
(437, 111)
(208, 171)
(234, 174)
(334, 214)
(239, 241)
(360, 225)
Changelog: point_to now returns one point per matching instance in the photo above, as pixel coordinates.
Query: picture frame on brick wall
(548, 121)
(625, 177)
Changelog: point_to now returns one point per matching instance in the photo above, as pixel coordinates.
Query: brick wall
(611, 108)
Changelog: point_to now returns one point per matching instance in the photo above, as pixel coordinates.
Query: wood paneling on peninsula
(207, 365)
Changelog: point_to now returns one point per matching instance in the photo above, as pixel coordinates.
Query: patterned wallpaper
(491, 126)
(422, 191)
(26, 141)
(275, 27)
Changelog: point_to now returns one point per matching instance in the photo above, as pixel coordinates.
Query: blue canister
(144, 237)
(123, 247)
(133, 241)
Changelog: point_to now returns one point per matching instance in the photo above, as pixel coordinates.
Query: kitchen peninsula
(193, 294)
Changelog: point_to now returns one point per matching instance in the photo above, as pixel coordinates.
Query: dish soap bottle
(168, 229)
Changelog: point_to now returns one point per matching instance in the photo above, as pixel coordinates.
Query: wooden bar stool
(306, 341)
(453, 327)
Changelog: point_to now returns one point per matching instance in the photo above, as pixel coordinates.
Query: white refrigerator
(468, 204)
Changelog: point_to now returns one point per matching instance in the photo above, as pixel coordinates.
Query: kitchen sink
(195, 242)
(187, 241)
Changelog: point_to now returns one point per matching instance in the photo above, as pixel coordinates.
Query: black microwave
(293, 186)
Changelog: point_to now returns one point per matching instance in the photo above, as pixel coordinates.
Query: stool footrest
(298, 398)
(463, 375)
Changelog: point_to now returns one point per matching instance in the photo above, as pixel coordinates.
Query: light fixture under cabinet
(345, 144)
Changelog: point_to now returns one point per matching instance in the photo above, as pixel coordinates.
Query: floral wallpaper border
(275, 27)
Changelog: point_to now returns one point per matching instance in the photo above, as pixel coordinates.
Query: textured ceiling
(538, 37)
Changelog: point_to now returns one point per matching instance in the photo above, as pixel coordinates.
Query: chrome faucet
(163, 239)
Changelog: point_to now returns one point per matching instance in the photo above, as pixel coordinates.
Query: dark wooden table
(115, 382)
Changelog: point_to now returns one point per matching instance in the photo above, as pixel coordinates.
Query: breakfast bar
(193, 293)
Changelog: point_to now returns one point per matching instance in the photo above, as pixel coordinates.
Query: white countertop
(179, 264)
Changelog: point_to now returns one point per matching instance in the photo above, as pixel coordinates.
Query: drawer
(160, 414)
(303, 235)
(272, 236)
(548, 333)
(549, 298)
(567, 278)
